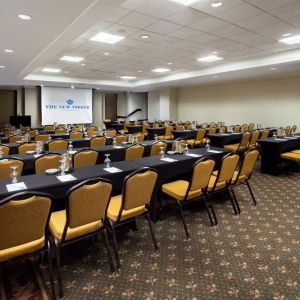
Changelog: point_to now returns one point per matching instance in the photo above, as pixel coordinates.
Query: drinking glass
(107, 161)
(186, 149)
(14, 174)
(62, 167)
(162, 153)
(1, 152)
(70, 147)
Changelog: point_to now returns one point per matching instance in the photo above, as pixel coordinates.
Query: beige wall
(33, 105)
(7, 105)
(272, 102)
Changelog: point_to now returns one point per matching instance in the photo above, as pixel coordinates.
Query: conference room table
(272, 148)
(155, 131)
(179, 165)
(222, 139)
(116, 126)
(116, 153)
(134, 128)
(185, 134)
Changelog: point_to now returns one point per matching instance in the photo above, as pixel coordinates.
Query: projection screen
(66, 106)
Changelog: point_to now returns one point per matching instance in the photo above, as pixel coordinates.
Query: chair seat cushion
(291, 156)
(114, 209)
(241, 177)
(177, 190)
(57, 225)
(192, 142)
(212, 181)
(23, 249)
(232, 147)
(296, 151)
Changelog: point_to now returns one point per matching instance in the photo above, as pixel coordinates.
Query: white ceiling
(244, 32)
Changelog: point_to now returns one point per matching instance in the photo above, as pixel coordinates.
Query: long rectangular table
(166, 171)
(220, 140)
(185, 134)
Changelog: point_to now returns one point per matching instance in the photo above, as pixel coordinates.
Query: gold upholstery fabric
(140, 137)
(296, 151)
(236, 128)
(42, 137)
(253, 139)
(61, 130)
(155, 148)
(5, 150)
(201, 174)
(26, 147)
(111, 133)
(251, 127)
(14, 138)
(76, 135)
(120, 139)
(92, 133)
(212, 130)
(98, 141)
(48, 127)
(265, 134)
(85, 158)
(249, 163)
(58, 145)
(5, 168)
(49, 161)
(134, 152)
(290, 156)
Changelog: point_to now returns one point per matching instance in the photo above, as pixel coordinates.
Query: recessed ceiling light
(106, 53)
(160, 70)
(139, 71)
(170, 63)
(216, 4)
(41, 85)
(185, 2)
(292, 40)
(67, 72)
(2, 67)
(9, 50)
(72, 86)
(286, 34)
(51, 70)
(128, 77)
(216, 76)
(145, 36)
(210, 58)
(97, 88)
(82, 65)
(273, 69)
(24, 17)
(215, 52)
(72, 58)
(107, 38)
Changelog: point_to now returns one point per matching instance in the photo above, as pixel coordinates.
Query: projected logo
(70, 101)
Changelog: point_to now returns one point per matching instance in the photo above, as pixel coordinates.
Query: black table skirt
(153, 131)
(116, 126)
(185, 134)
(134, 128)
(220, 140)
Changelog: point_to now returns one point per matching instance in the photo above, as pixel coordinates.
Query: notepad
(280, 140)
(65, 178)
(168, 159)
(16, 187)
(214, 151)
(118, 147)
(112, 170)
(37, 155)
(292, 137)
(193, 155)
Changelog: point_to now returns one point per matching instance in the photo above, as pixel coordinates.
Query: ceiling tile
(163, 27)
(208, 24)
(137, 20)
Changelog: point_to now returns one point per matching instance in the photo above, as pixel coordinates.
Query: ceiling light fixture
(216, 4)
(170, 63)
(292, 40)
(215, 52)
(286, 34)
(145, 36)
(128, 77)
(72, 86)
(2, 67)
(9, 51)
(185, 2)
(106, 53)
(107, 38)
(51, 70)
(139, 71)
(72, 58)
(210, 58)
(160, 70)
(82, 65)
(24, 17)
(273, 69)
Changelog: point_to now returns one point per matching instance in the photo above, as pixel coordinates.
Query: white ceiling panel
(163, 27)
(137, 20)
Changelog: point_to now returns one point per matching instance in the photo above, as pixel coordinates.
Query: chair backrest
(45, 162)
(245, 140)
(120, 139)
(145, 126)
(223, 129)
(188, 127)
(169, 130)
(5, 150)
(60, 130)
(14, 138)
(87, 202)
(200, 134)
(202, 171)
(134, 152)
(294, 129)
(48, 128)
(93, 133)
(265, 134)
(244, 127)
(236, 128)
(204, 125)
(140, 137)
(92, 128)
(22, 149)
(24, 218)
(248, 163)
(85, 158)
(58, 145)
(212, 130)
(5, 167)
(287, 130)
(9, 133)
(98, 141)
(251, 126)
(42, 137)
(180, 127)
(138, 188)
(32, 133)
(76, 135)
(228, 166)
(254, 137)
(111, 132)
(155, 148)
(212, 124)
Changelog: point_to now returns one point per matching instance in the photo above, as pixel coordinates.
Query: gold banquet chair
(41, 137)
(22, 149)
(92, 133)
(5, 150)
(168, 134)
(76, 135)
(139, 137)
(97, 141)
(134, 152)
(48, 128)
(111, 132)
(236, 128)
(85, 158)
(294, 129)
(244, 127)
(251, 127)
(253, 139)
(264, 134)
(133, 202)
(144, 131)
(155, 148)
(212, 130)
(58, 145)
(120, 139)
(60, 130)
(242, 146)
(184, 191)
(24, 219)
(244, 174)
(14, 138)
(198, 141)
(6, 170)
(45, 162)
(223, 178)
(84, 216)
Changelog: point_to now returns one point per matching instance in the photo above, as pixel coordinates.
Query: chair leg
(2, 291)
(211, 208)
(183, 219)
(235, 200)
(232, 202)
(115, 245)
(53, 296)
(152, 230)
(104, 235)
(59, 278)
(251, 192)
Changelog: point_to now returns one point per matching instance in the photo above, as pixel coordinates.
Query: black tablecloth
(185, 134)
(116, 126)
(153, 131)
(134, 128)
(220, 140)
(271, 150)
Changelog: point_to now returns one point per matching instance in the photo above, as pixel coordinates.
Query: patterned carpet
(253, 256)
